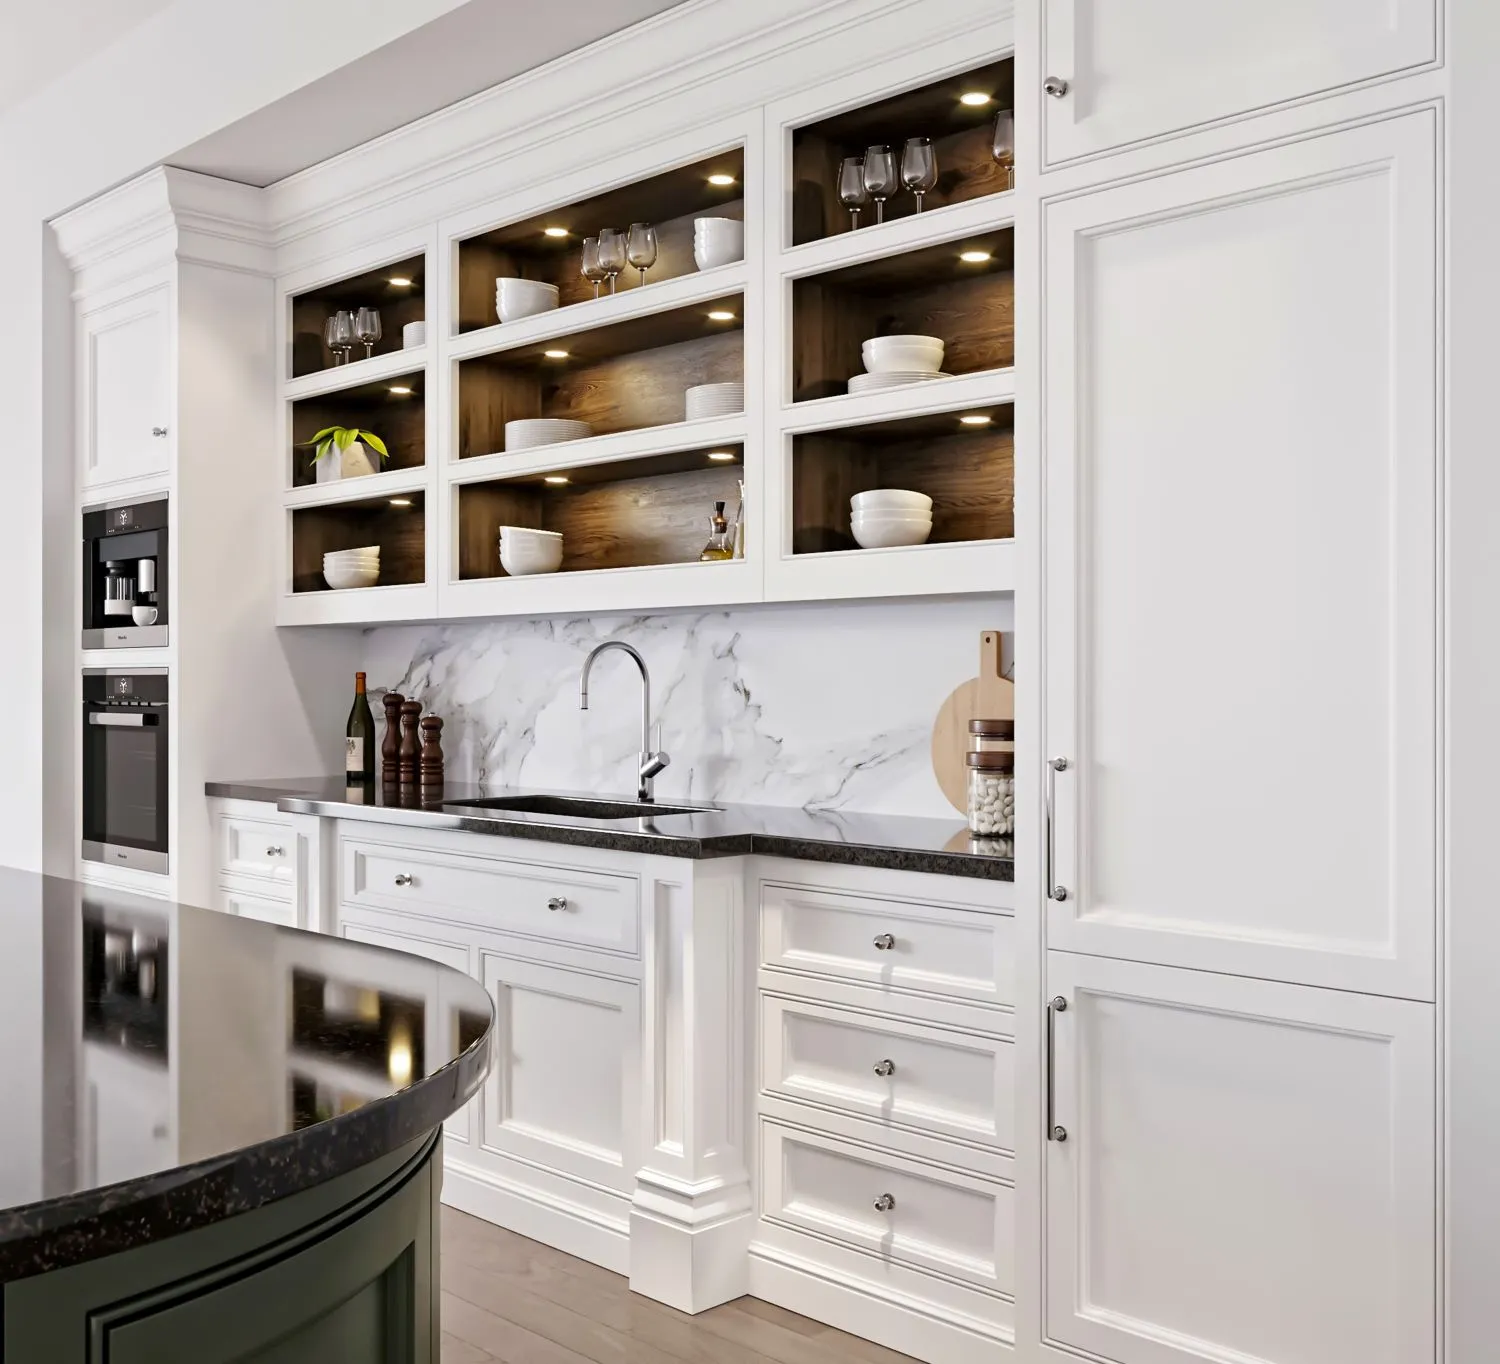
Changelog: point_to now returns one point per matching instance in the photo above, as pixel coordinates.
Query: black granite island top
(896, 842)
(167, 1067)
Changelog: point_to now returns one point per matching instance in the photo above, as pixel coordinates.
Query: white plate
(875, 383)
(530, 432)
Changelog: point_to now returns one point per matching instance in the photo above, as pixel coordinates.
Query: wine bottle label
(354, 757)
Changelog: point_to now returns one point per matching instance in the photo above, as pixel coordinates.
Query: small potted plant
(344, 452)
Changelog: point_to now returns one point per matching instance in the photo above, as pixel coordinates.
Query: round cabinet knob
(1059, 893)
(885, 1203)
(274, 852)
(885, 1069)
(557, 902)
(402, 879)
(158, 431)
(884, 942)
(1059, 1133)
(1055, 86)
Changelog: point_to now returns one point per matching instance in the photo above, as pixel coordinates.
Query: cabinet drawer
(949, 1083)
(263, 848)
(560, 904)
(935, 950)
(890, 1206)
(254, 904)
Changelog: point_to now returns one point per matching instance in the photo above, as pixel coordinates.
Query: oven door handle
(121, 719)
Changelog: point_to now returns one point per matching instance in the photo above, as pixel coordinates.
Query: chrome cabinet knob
(403, 879)
(274, 851)
(557, 902)
(158, 431)
(885, 1068)
(884, 942)
(1055, 86)
(1059, 1133)
(885, 1203)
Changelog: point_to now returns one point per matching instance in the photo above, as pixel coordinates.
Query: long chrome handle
(118, 719)
(1056, 1005)
(1054, 766)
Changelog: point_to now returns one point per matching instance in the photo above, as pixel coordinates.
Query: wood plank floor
(515, 1301)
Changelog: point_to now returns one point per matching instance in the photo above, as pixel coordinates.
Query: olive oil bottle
(720, 543)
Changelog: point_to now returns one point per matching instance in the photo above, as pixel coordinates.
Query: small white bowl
(528, 533)
(144, 615)
(341, 578)
(891, 499)
(413, 334)
(913, 354)
(718, 241)
(525, 557)
(518, 298)
(888, 535)
(349, 556)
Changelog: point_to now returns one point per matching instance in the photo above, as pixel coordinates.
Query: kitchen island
(222, 1138)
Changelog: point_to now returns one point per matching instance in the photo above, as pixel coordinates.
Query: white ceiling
(41, 40)
(468, 50)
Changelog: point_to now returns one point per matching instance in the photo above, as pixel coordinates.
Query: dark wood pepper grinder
(410, 712)
(432, 750)
(390, 744)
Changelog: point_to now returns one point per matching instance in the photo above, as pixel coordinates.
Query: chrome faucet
(652, 758)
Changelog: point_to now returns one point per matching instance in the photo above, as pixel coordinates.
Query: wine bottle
(359, 737)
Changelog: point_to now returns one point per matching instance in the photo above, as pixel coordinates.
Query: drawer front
(263, 848)
(890, 1206)
(949, 1083)
(960, 953)
(254, 905)
(558, 904)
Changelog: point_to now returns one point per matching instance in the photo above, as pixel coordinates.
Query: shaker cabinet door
(125, 378)
(1247, 1170)
(1240, 524)
(1156, 67)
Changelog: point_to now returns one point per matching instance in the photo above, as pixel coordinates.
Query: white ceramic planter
(355, 462)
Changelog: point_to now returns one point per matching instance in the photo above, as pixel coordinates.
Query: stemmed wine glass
(611, 253)
(338, 332)
(593, 271)
(367, 328)
(880, 177)
(852, 192)
(1003, 148)
(640, 248)
(919, 171)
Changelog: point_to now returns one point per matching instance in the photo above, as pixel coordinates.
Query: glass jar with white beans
(992, 794)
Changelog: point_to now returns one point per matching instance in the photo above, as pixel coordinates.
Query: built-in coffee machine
(125, 574)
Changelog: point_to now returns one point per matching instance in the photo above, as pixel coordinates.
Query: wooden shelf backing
(373, 289)
(618, 378)
(669, 201)
(928, 292)
(400, 420)
(644, 512)
(962, 137)
(400, 531)
(967, 471)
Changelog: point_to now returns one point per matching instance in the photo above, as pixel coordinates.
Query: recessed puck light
(974, 98)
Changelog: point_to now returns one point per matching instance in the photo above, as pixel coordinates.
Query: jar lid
(993, 729)
(991, 762)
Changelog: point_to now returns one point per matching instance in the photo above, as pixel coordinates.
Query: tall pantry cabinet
(1229, 249)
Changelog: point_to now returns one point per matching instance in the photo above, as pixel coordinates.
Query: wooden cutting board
(990, 696)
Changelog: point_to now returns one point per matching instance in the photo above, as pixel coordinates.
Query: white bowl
(413, 334)
(911, 354)
(718, 241)
(891, 500)
(524, 557)
(338, 555)
(874, 522)
(888, 534)
(527, 533)
(518, 298)
(713, 400)
(350, 577)
(529, 432)
(144, 615)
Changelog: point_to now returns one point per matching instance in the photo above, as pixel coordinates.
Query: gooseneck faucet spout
(652, 759)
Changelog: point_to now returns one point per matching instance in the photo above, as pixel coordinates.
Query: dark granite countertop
(896, 842)
(168, 1067)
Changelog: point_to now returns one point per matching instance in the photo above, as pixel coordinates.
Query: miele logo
(124, 516)
(122, 686)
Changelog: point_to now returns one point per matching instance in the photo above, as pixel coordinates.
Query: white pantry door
(1153, 67)
(1248, 1174)
(1241, 594)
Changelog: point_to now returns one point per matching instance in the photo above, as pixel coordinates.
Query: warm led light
(400, 390)
(400, 501)
(721, 315)
(975, 419)
(723, 456)
(555, 354)
(399, 1057)
(721, 179)
(974, 98)
(555, 478)
(973, 257)
(400, 281)
(554, 232)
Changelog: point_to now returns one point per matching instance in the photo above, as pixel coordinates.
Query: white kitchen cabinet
(1157, 67)
(1241, 563)
(1247, 1171)
(250, 904)
(126, 400)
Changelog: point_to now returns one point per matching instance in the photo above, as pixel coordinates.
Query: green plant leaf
(324, 446)
(375, 443)
(345, 436)
(318, 437)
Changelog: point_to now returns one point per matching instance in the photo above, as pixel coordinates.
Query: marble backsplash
(821, 706)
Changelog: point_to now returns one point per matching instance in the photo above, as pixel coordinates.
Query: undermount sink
(582, 807)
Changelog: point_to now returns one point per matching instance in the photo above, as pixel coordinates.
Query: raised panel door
(127, 388)
(1241, 563)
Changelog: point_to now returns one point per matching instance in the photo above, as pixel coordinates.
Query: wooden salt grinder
(390, 744)
(432, 750)
(410, 712)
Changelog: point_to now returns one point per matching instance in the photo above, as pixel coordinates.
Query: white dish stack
(887, 517)
(518, 298)
(713, 400)
(891, 361)
(352, 567)
(413, 334)
(530, 432)
(717, 241)
(524, 551)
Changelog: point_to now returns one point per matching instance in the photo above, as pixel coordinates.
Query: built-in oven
(125, 574)
(125, 748)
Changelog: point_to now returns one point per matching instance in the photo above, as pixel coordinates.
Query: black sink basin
(581, 807)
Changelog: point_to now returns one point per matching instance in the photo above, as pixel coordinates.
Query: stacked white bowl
(529, 432)
(413, 334)
(516, 298)
(713, 400)
(886, 517)
(891, 361)
(524, 551)
(352, 567)
(718, 241)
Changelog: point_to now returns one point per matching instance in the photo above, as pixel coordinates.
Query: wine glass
(593, 271)
(367, 328)
(340, 334)
(880, 177)
(919, 167)
(640, 247)
(331, 337)
(852, 192)
(611, 253)
(1003, 148)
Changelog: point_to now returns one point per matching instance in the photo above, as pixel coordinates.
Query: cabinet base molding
(925, 1330)
(688, 1242)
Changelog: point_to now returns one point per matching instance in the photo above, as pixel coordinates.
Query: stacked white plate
(524, 551)
(517, 298)
(891, 361)
(413, 334)
(887, 517)
(877, 383)
(713, 400)
(530, 432)
(352, 567)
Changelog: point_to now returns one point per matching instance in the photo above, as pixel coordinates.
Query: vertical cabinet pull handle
(1056, 1005)
(1054, 766)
